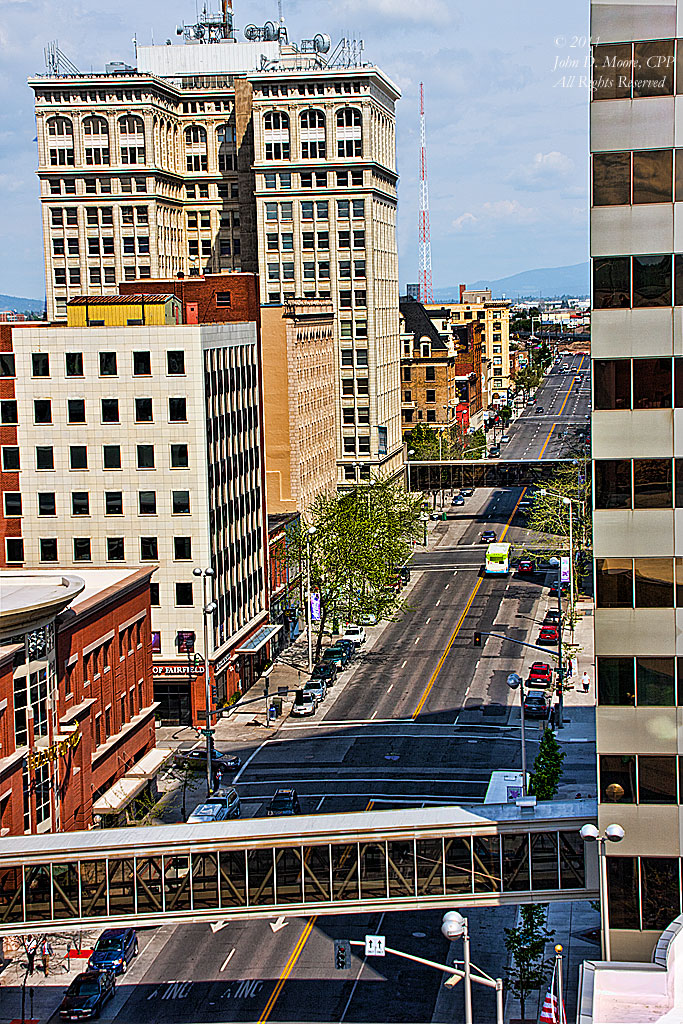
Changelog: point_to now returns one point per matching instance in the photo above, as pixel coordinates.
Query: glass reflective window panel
(316, 864)
(613, 483)
(657, 779)
(344, 871)
(458, 865)
(65, 890)
(515, 862)
(653, 68)
(233, 878)
(618, 778)
(288, 875)
(653, 176)
(121, 886)
(11, 889)
(261, 877)
(655, 681)
(612, 383)
(93, 888)
(612, 71)
(401, 862)
(616, 682)
(572, 866)
(614, 582)
(652, 384)
(622, 892)
(204, 880)
(660, 891)
(37, 884)
(611, 179)
(612, 282)
(429, 867)
(654, 582)
(678, 259)
(652, 483)
(177, 885)
(486, 857)
(652, 281)
(544, 861)
(373, 871)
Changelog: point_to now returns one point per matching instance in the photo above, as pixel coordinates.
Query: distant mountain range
(20, 305)
(545, 283)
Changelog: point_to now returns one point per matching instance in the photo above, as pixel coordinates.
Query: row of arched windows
(313, 134)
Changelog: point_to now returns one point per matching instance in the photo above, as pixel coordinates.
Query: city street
(565, 401)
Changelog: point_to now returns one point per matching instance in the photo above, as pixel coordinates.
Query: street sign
(564, 569)
(374, 945)
(207, 732)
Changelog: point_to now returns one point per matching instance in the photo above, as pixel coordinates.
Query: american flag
(550, 1014)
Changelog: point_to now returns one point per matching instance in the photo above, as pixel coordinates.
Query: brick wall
(202, 292)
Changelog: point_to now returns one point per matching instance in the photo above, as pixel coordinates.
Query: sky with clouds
(507, 117)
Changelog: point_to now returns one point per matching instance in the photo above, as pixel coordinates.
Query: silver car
(318, 688)
(220, 806)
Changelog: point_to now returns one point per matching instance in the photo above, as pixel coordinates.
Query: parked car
(338, 655)
(304, 704)
(525, 567)
(284, 801)
(552, 617)
(356, 634)
(195, 758)
(552, 590)
(404, 573)
(488, 537)
(87, 994)
(505, 439)
(467, 492)
(348, 645)
(540, 410)
(113, 950)
(548, 636)
(326, 671)
(220, 806)
(318, 688)
(540, 673)
(458, 500)
(368, 619)
(536, 705)
(494, 451)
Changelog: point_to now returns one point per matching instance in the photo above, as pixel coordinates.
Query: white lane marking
(438, 602)
(390, 688)
(321, 801)
(455, 574)
(417, 639)
(428, 621)
(373, 716)
(227, 959)
(249, 760)
(404, 663)
(447, 586)
(468, 689)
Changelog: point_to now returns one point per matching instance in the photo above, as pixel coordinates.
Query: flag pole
(560, 993)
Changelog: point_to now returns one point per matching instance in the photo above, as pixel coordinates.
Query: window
(10, 459)
(154, 595)
(175, 362)
(147, 503)
(115, 549)
(612, 282)
(431, 395)
(349, 132)
(182, 548)
(108, 364)
(45, 457)
(143, 410)
(223, 298)
(654, 583)
(613, 483)
(156, 641)
(612, 384)
(142, 364)
(82, 549)
(276, 135)
(14, 549)
(113, 503)
(618, 778)
(652, 384)
(76, 410)
(42, 410)
(181, 502)
(614, 582)
(78, 456)
(183, 594)
(110, 410)
(149, 549)
(358, 208)
(616, 681)
(312, 125)
(7, 364)
(80, 503)
(8, 411)
(430, 373)
(12, 503)
(652, 483)
(48, 549)
(111, 456)
(177, 410)
(40, 364)
(652, 281)
(179, 456)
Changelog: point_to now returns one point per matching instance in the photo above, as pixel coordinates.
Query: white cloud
(546, 170)
(501, 212)
(434, 12)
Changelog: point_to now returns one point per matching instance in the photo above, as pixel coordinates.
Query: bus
(498, 559)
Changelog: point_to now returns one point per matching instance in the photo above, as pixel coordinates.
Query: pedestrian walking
(31, 950)
(585, 682)
(218, 776)
(552, 717)
(46, 952)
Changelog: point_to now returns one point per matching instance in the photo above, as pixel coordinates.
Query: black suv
(87, 994)
(325, 671)
(284, 802)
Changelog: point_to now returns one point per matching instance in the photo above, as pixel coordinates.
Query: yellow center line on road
(428, 688)
(559, 413)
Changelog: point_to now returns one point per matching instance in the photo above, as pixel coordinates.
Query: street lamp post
(425, 519)
(555, 563)
(514, 681)
(208, 608)
(613, 834)
(309, 629)
(454, 926)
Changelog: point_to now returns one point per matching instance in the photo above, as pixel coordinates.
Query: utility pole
(425, 246)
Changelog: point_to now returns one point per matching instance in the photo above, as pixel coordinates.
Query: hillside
(545, 282)
(21, 305)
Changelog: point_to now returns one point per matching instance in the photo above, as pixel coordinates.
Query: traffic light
(477, 639)
(342, 954)
(214, 694)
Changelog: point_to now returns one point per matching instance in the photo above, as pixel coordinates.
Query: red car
(540, 675)
(548, 636)
(525, 567)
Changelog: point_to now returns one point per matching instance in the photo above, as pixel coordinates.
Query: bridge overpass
(432, 475)
(318, 864)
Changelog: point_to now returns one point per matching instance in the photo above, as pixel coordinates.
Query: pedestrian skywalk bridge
(315, 864)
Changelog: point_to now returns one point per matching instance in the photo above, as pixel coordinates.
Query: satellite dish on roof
(322, 42)
(251, 33)
(270, 33)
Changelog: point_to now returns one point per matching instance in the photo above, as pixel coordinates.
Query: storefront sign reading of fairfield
(41, 756)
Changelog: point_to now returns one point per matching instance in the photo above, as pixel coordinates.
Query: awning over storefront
(258, 640)
(119, 795)
(150, 763)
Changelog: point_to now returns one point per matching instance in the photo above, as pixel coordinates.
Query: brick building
(206, 299)
(76, 696)
(287, 603)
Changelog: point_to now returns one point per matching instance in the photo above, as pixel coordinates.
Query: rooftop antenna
(425, 243)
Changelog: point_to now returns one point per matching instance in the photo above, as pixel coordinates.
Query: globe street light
(454, 926)
(613, 834)
(514, 681)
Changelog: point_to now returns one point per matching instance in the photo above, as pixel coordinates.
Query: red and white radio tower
(425, 264)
